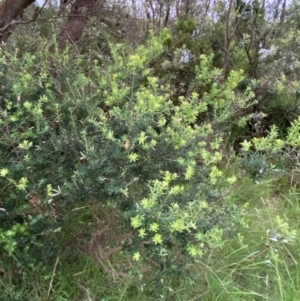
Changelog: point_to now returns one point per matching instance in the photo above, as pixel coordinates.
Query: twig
(85, 290)
(221, 198)
(52, 277)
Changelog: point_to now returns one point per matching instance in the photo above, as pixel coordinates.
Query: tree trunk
(9, 11)
(80, 12)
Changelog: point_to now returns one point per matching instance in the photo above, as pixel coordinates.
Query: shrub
(74, 131)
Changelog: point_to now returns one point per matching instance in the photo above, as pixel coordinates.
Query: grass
(249, 267)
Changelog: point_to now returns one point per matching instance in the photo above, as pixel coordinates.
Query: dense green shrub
(74, 131)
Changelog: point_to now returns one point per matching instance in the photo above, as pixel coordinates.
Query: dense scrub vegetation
(154, 158)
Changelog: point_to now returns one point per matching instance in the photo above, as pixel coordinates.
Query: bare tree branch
(227, 38)
(10, 10)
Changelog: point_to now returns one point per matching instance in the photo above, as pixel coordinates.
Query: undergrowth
(113, 187)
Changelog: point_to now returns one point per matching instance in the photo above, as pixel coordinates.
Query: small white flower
(185, 56)
(268, 262)
(267, 52)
